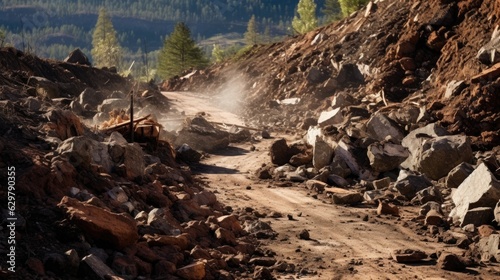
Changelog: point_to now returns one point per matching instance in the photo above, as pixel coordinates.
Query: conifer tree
(331, 10)
(305, 20)
(350, 6)
(106, 50)
(267, 35)
(252, 36)
(179, 52)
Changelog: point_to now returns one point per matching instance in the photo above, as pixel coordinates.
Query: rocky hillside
(86, 204)
(436, 56)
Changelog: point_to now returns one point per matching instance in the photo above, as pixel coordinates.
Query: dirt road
(345, 242)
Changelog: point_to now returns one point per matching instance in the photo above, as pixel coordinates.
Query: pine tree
(2, 37)
(267, 35)
(350, 6)
(106, 50)
(306, 19)
(251, 36)
(217, 53)
(331, 10)
(179, 52)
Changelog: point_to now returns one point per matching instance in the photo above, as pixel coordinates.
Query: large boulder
(409, 184)
(356, 159)
(77, 57)
(110, 104)
(322, 153)
(44, 87)
(414, 142)
(63, 124)
(379, 127)
(386, 156)
(128, 155)
(441, 154)
(83, 151)
(199, 134)
(480, 189)
(117, 231)
(280, 152)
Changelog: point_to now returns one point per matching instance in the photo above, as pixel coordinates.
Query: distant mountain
(52, 28)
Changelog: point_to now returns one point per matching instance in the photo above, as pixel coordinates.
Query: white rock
(480, 189)
(332, 117)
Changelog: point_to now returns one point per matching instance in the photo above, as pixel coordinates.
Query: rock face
(199, 134)
(480, 189)
(83, 151)
(115, 230)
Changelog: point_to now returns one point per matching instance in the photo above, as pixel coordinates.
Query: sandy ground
(346, 242)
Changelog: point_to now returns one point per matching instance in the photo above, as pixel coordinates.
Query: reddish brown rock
(114, 230)
(408, 255)
(195, 271)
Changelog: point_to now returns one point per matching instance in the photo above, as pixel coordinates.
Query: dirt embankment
(403, 51)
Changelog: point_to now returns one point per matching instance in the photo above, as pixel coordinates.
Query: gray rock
(342, 99)
(95, 268)
(478, 216)
(414, 142)
(82, 151)
(372, 196)
(480, 189)
(496, 213)
(428, 194)
(76, 107)
(337, 180)
(316, 185)
(322, 153)
(350, 75)
(118, 194)
(458, 174)
(77, 57)
(379, 127)
(44, 87)
(333, 117)
(408, 183)
(356, 159)
(454, 88)
(489, 248)
(90, 97)
(490, 53)
(382, 183)
(100, 118)
(33, 104)
(316, 75)
(187, 154)
(449, 261)
(156, 219)
(408, 255)
(113, 103)
(386, 156)
(431, 205)
(440, 155)
(201, 135)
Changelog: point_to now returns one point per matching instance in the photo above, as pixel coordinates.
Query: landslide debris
(91, 205)
(397, 107)
(438, 56)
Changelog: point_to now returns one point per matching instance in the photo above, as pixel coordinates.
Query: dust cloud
(230, 95)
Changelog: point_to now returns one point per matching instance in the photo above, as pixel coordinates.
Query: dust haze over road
(345, 242)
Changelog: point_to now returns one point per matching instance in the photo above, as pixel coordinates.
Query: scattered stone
(262, 273)
(480, 189)
(433, 218)
(452, 262)
(90, 97)
(454, 88)
(304, 234)
(187, 154)
(83, 151)
(458, 174)
(441, 154)
(201, 135)
(332, 117)
(478, 216)
(489, 248)
(382, 183)
(385, 208)
(114, 230)
(428, 194)
(94, 268)
(344, 197)
(280, 152)
(486, 231)
(408, 255)
(408, 183)
(316, 185)
(322, 153)
(431, 205)
(379, 127)
(386, 156)
(195, 271)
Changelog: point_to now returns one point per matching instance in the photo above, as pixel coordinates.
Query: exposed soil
(345, 242)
